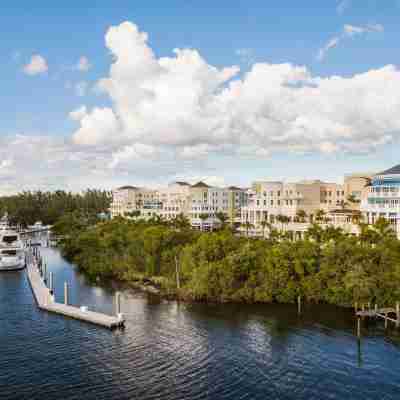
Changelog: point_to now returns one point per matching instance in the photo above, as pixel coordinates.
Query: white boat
(12, 251)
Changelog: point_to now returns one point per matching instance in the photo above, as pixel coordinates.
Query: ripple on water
(177, 351)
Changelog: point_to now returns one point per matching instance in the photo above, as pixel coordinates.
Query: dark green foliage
(48, 207)
(328, 266)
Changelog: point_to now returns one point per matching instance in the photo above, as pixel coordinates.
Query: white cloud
(83, 64)
(347, 32)
(37, 65)
(78, 114)
(180, 116)
(184, 105)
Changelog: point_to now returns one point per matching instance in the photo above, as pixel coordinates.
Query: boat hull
(12, 267)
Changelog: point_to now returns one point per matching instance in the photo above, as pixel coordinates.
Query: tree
(247, 226)
(319, 215)
(264, 224)
(203, 217)
(301, 215)
(223, 218)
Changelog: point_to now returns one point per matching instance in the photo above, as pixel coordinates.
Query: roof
(200, 185)
(391, 171)
(182, 183)
(127, 187)
(234, 188)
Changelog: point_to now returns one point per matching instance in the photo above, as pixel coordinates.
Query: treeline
(26, 208)
(327, 266)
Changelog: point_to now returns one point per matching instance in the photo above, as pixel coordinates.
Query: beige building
(128, 199)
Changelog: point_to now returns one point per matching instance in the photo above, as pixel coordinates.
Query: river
(179, 351)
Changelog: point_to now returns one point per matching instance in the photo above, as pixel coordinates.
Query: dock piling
(66, 293)
(397, 315)
(359, 328)
(299, 305)
(51, 283)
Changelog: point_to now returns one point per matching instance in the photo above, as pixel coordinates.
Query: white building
(381, 199)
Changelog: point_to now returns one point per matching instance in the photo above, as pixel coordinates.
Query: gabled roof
(391, 171)
(234, 188)
(200, 185)
(127, 187)
(182, 183)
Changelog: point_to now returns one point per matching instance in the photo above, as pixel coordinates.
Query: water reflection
(174, 350)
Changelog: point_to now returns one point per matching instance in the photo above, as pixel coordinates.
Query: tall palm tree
(264, 224)
(320, 215)
(247, 225)
(301, 215)
(222, 217)
(203, 217)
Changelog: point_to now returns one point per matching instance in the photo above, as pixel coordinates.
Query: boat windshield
(10, 239)
(9, 252)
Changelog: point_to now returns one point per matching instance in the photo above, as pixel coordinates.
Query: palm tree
(264, 224)
(222, 217)
(319, 215)
(301, 215)
(203, 218)
(247, 225)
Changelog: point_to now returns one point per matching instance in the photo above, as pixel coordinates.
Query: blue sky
(363, 34)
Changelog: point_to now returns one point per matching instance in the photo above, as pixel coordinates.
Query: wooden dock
(388, 314)
(45, 301)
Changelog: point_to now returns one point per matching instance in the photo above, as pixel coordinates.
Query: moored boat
(12, 251)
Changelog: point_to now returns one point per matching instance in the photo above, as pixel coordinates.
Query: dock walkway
(45, 301)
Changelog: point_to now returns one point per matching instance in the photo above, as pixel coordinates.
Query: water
(171, 351)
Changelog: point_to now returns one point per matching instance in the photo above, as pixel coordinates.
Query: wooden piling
(66, 293)
(397, 315)
(359, 328)
(118, 302)
(386, 321)
(51, 283)
(355, 307)
(299, 305)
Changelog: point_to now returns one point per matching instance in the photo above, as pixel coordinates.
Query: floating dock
(46, 301)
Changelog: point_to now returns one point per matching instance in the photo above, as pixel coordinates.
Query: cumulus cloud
(181, 116)
(347, 32)
(37, 65)
(83, 64)
(185, 105)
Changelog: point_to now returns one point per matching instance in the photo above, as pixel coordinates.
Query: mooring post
(45, 273)
(66, 293)
(299, 305)
(359, 328)
(51, 283)
(118, 304)
(355, 307)
(386, 321)
(397, 314)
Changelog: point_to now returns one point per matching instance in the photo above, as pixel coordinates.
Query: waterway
(179, 351)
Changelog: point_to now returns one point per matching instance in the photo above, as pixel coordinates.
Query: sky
(148, 92)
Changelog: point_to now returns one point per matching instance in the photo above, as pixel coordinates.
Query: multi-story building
(201, 203)
(128, 199)
(300, 204)
(381, 198)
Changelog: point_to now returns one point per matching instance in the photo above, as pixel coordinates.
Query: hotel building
(381, 199)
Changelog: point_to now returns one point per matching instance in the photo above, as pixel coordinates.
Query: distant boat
(12, 252)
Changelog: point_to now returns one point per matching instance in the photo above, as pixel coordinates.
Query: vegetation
(327, 266)
(26, 208)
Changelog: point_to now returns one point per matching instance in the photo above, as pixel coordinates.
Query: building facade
(381, 198)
